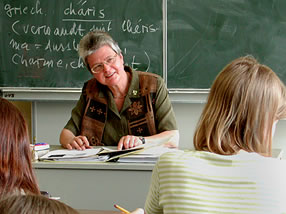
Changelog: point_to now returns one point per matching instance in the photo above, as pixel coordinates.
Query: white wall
(52, 116)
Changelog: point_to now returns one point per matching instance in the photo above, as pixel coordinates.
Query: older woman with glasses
(118, 106)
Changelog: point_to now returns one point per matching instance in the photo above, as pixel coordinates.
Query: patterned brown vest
(141, 121)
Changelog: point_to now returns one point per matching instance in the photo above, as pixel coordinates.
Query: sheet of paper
(66, 154)
(147, 155)
(156, 150)
(95, 158)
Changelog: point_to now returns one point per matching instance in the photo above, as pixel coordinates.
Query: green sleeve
(74, 123)
(164, 114)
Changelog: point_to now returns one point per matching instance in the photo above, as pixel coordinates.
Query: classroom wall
(52, 116)
(26, 108)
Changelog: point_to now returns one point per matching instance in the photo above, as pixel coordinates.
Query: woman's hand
(79, 143)
(128, 141)
(69, 141)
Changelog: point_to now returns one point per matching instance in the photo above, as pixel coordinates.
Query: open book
(65, 154)
(113, 155)
(147, 155)
(97, 154)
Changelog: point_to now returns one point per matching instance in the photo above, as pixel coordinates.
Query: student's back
(204, 182)
(231, 170)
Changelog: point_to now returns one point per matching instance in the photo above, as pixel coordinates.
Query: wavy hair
(16, 173)
(245, 100)
(94, 40)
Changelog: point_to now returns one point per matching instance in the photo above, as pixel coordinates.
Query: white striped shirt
(203, 182)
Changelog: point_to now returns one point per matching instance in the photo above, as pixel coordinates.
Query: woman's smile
(109, 75)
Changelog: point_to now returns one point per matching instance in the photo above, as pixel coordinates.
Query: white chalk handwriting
(77, 18)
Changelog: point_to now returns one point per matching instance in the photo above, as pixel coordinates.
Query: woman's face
(108, 66)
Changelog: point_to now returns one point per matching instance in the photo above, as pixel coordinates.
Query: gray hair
(94, 40)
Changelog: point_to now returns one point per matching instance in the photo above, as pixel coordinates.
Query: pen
(121, 209)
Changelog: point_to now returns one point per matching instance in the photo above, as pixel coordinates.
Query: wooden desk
(96, 186)
(97, 212)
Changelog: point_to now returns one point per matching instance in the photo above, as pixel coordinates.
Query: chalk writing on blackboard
(41, 39)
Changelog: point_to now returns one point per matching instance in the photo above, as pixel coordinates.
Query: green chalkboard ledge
(40, 94)
(178, 95)
(72, 94)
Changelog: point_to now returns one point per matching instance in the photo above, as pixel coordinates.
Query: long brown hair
(245, 100)
(16, 173)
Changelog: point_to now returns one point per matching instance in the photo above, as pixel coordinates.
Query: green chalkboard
(204, 35)
(39, 38)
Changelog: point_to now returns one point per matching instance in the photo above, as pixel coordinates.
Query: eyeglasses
(97, 68)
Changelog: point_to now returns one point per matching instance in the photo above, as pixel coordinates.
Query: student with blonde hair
(245, 102)
(16, 173)
(232, 170)
(34, 204)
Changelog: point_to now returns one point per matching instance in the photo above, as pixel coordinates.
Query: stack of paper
(65, 154)
(139, 154)
(147, 155)
(41, 146)
(39, 149)
(98, 154)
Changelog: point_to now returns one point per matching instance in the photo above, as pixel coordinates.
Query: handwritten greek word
(13, 11)
(71, 11)
(137, 28)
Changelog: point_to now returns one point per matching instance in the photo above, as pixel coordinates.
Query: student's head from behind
(33, 204)
(16, 173)
(244, 102)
